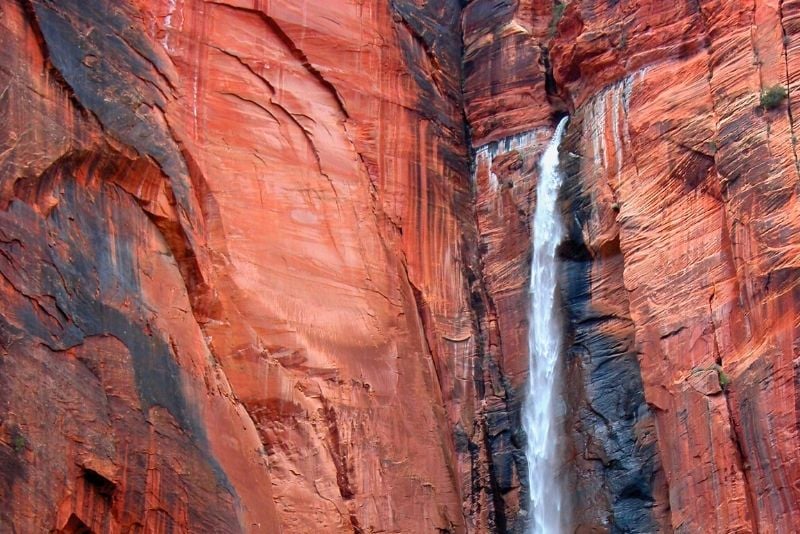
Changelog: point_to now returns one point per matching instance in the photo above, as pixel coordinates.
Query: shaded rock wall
(234, 281)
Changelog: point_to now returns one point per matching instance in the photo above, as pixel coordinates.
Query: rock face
(222, 229)
(692, 188)
(265, 263)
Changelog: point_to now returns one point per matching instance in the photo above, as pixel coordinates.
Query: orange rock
(265, 264)
(701, 182)
(260, 192)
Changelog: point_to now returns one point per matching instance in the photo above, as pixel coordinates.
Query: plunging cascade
(544, 346)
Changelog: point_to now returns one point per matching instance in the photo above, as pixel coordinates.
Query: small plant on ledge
(558, 12)
(19, 443)
(772, 97)
(724, 379)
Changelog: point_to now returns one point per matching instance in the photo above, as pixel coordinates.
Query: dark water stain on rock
(612, 462)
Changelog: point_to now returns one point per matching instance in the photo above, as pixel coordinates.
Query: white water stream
(544, 344)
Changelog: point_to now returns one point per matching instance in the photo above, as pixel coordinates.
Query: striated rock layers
(265, 263)
(680, 274)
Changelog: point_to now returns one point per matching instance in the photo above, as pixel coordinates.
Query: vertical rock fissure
(786, 39)
(544, 344)
(736, 437)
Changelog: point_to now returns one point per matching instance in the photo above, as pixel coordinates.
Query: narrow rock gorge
(265, 264)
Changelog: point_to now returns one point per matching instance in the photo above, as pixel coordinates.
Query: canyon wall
(680, 273)
(692, 187)
(234, 277)
(265, 263)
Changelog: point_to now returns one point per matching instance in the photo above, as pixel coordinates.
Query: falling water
(544, 344)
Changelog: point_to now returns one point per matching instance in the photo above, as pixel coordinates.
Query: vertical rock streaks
(264, 265)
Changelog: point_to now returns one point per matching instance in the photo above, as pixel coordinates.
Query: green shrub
(724, 380)
(558, 12)
(772, 97)
(19, 442)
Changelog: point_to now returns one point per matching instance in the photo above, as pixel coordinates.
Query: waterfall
(544, 346)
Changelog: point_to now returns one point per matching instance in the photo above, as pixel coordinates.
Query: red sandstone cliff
(221, 224)
(680, 269)
(264, 263)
